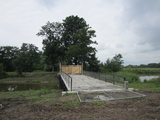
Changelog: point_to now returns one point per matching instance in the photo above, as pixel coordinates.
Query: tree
(7, 55)
(94, 63)
(68, 42)
(3, 74)
(28, 56)
(76, 38)
(115, 64)
(52, 45)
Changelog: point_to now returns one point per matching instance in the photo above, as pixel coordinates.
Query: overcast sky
(129, 27)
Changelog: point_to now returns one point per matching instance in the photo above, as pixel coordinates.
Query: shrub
(3, 74)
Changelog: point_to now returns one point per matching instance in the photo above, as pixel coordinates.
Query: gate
(71, 69)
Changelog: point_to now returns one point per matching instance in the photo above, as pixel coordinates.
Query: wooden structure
(71, 69)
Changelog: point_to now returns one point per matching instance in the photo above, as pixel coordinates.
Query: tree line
(149, 65)
(69, 43)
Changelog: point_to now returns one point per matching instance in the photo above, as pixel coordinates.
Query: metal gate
(72, 69)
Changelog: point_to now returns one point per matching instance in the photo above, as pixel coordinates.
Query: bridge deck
(82, 83)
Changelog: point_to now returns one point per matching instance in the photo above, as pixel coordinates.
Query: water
(142, 78)
(5, 87)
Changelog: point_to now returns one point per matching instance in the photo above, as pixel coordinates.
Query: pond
(5, 87)
(142, 78)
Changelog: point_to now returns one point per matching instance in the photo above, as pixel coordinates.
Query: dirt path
(147, 108)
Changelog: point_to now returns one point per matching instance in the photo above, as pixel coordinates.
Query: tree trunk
(53, 69)
(75, 60)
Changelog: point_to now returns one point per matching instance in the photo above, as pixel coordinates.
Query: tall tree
(52, 45)
(76, 38)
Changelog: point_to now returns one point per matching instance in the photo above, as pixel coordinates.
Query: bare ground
(147, 108)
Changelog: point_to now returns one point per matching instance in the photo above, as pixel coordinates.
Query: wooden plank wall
(72, 69)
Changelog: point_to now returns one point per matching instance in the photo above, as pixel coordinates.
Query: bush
(114, 64)
(3, 74)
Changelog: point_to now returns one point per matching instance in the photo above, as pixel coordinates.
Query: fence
(67, 79)
(115, 79)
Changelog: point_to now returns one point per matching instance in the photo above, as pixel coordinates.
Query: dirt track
(130, 109)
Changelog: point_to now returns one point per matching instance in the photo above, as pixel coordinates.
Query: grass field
(147, 71)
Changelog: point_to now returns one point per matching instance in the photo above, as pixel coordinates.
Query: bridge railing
(114, 79)
(67, 80)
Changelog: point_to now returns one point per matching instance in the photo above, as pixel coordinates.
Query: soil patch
(140, 108)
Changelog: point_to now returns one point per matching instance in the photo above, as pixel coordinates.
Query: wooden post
(60, 68)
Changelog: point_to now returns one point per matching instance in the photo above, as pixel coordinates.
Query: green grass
(141, 69)
(150, 86)
(32, 77)
(39, 95)
(145, 71)
(99, 103)
(41, 71)
(14, 74)
(130, 77)
(134, 81)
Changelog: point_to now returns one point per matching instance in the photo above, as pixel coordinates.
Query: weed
(97, 103)
(89, 116)
(43, 74)
(105, 112)
(39, 93)
(67, 94)
(74, 102)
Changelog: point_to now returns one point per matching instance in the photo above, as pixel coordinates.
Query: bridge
(75, 79)
(93, 86)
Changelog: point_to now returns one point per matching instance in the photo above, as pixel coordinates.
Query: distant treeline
(150, 65)
(26, 58)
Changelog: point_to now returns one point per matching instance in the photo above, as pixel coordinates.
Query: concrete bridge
(92, 82)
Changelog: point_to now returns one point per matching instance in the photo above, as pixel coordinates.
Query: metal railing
(115, 79)
(67, 80)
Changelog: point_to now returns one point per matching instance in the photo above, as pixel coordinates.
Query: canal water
(142, 78)
(5, 87)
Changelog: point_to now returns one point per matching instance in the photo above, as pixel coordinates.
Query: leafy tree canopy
(52, 45)
(7, 55)
(68, 42)
(114, 64)
(28, 57)
(77, 37)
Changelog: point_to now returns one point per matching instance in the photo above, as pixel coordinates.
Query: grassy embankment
(43, 96)
(132, 75)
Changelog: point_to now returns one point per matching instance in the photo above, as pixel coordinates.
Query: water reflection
(4, 87)
(142, 78)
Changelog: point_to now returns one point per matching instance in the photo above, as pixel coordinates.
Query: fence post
(113, 80)
(124, 80)
(126, 85)
(82, 69)
(71, 84)
(60, 68)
